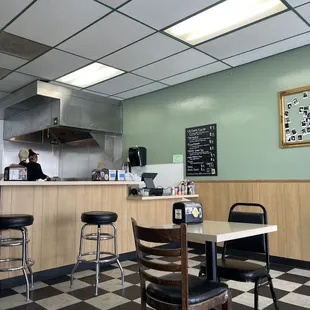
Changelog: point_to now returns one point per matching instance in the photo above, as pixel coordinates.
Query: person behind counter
(34, 169)
(23, 156)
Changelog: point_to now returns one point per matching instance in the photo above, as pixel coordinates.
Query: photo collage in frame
(294, 107)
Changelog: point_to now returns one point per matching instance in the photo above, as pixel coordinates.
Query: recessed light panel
(224, 17)
(90, 75)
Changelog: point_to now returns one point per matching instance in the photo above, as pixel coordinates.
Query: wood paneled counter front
(57, 208)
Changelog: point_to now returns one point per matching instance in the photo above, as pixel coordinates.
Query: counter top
(161, 197)
(66, 183)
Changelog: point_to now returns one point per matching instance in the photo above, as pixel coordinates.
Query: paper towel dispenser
(137, 156)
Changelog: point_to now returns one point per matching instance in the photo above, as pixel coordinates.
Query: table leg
(211, 261)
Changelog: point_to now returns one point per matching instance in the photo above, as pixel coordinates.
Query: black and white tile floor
(292, 288)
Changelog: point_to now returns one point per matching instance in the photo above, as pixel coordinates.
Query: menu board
(201, 151)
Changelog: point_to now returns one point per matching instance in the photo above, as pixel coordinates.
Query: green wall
(243, 102)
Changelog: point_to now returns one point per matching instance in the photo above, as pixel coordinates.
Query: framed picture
(294, 109)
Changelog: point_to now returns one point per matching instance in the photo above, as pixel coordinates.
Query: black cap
(32, 153)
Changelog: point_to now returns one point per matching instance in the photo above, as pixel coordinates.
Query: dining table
(212, 232)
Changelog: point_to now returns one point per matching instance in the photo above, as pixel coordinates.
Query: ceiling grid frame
(161, 31)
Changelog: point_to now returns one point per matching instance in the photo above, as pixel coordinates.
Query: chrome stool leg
(98, 258)
(78, 258)
(27, 259)
(24, 261)
(116, 253)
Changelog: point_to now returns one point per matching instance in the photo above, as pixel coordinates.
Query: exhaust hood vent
(46, 113)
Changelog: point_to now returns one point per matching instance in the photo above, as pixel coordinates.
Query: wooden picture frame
(294, 110)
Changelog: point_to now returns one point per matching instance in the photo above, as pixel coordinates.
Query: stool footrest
(94, 236)
(11, 242)
(109, 259)
(30, 262)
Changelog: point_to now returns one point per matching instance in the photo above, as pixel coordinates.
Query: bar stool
(17, 222)
(98, 218)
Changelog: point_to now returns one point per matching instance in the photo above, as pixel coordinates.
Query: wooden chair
(177, 290)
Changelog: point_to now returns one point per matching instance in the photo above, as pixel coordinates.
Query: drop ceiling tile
(150, 49)
(10, 8)
(20, 47)
(113, 3)
(15, 81)
(116, 98)
(4, 72)
(2, 95)
(175, 64)
(142, 90)
(106, 36)
(11, 62)
(53, 64)
(196, 73)
(269, 50)
(295, 3)
(304, 11)
(266, 32)
(94, 92)
(162, 13)
(120, 84)
(50, 21)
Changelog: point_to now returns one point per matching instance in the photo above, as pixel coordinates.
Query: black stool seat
(99, 217)
(8, 221)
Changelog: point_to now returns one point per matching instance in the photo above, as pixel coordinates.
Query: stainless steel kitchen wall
(65, 161)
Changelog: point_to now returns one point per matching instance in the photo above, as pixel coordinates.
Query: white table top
(216, 231)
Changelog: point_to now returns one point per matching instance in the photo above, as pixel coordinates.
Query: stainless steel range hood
(46, 113)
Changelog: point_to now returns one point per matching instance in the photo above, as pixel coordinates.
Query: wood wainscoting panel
(49, 228)
(66, 226)
(304, 190)
(5, 208)
(286, 203)
(22, 203)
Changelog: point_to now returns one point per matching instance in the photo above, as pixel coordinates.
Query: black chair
(241, 271)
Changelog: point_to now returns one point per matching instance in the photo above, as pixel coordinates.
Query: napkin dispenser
(189, 212)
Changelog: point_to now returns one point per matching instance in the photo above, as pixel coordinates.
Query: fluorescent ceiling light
(222, 18)
(90, 75)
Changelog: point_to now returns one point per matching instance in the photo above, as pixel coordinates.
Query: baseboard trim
(259, 257)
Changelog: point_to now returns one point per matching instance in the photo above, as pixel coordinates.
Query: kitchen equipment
(100, 174)
(15, 173)
(137, 156)
(189, 212)
(120, 175)
(112, 175)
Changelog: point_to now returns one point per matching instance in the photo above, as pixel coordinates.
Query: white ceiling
(128, 35)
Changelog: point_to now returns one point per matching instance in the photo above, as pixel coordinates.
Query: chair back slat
(158, 235)
(158, 251)
(160, 281)
(161, 267)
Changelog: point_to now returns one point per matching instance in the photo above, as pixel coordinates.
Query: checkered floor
(292, 288)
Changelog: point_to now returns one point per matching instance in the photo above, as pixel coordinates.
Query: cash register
(148, 179)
